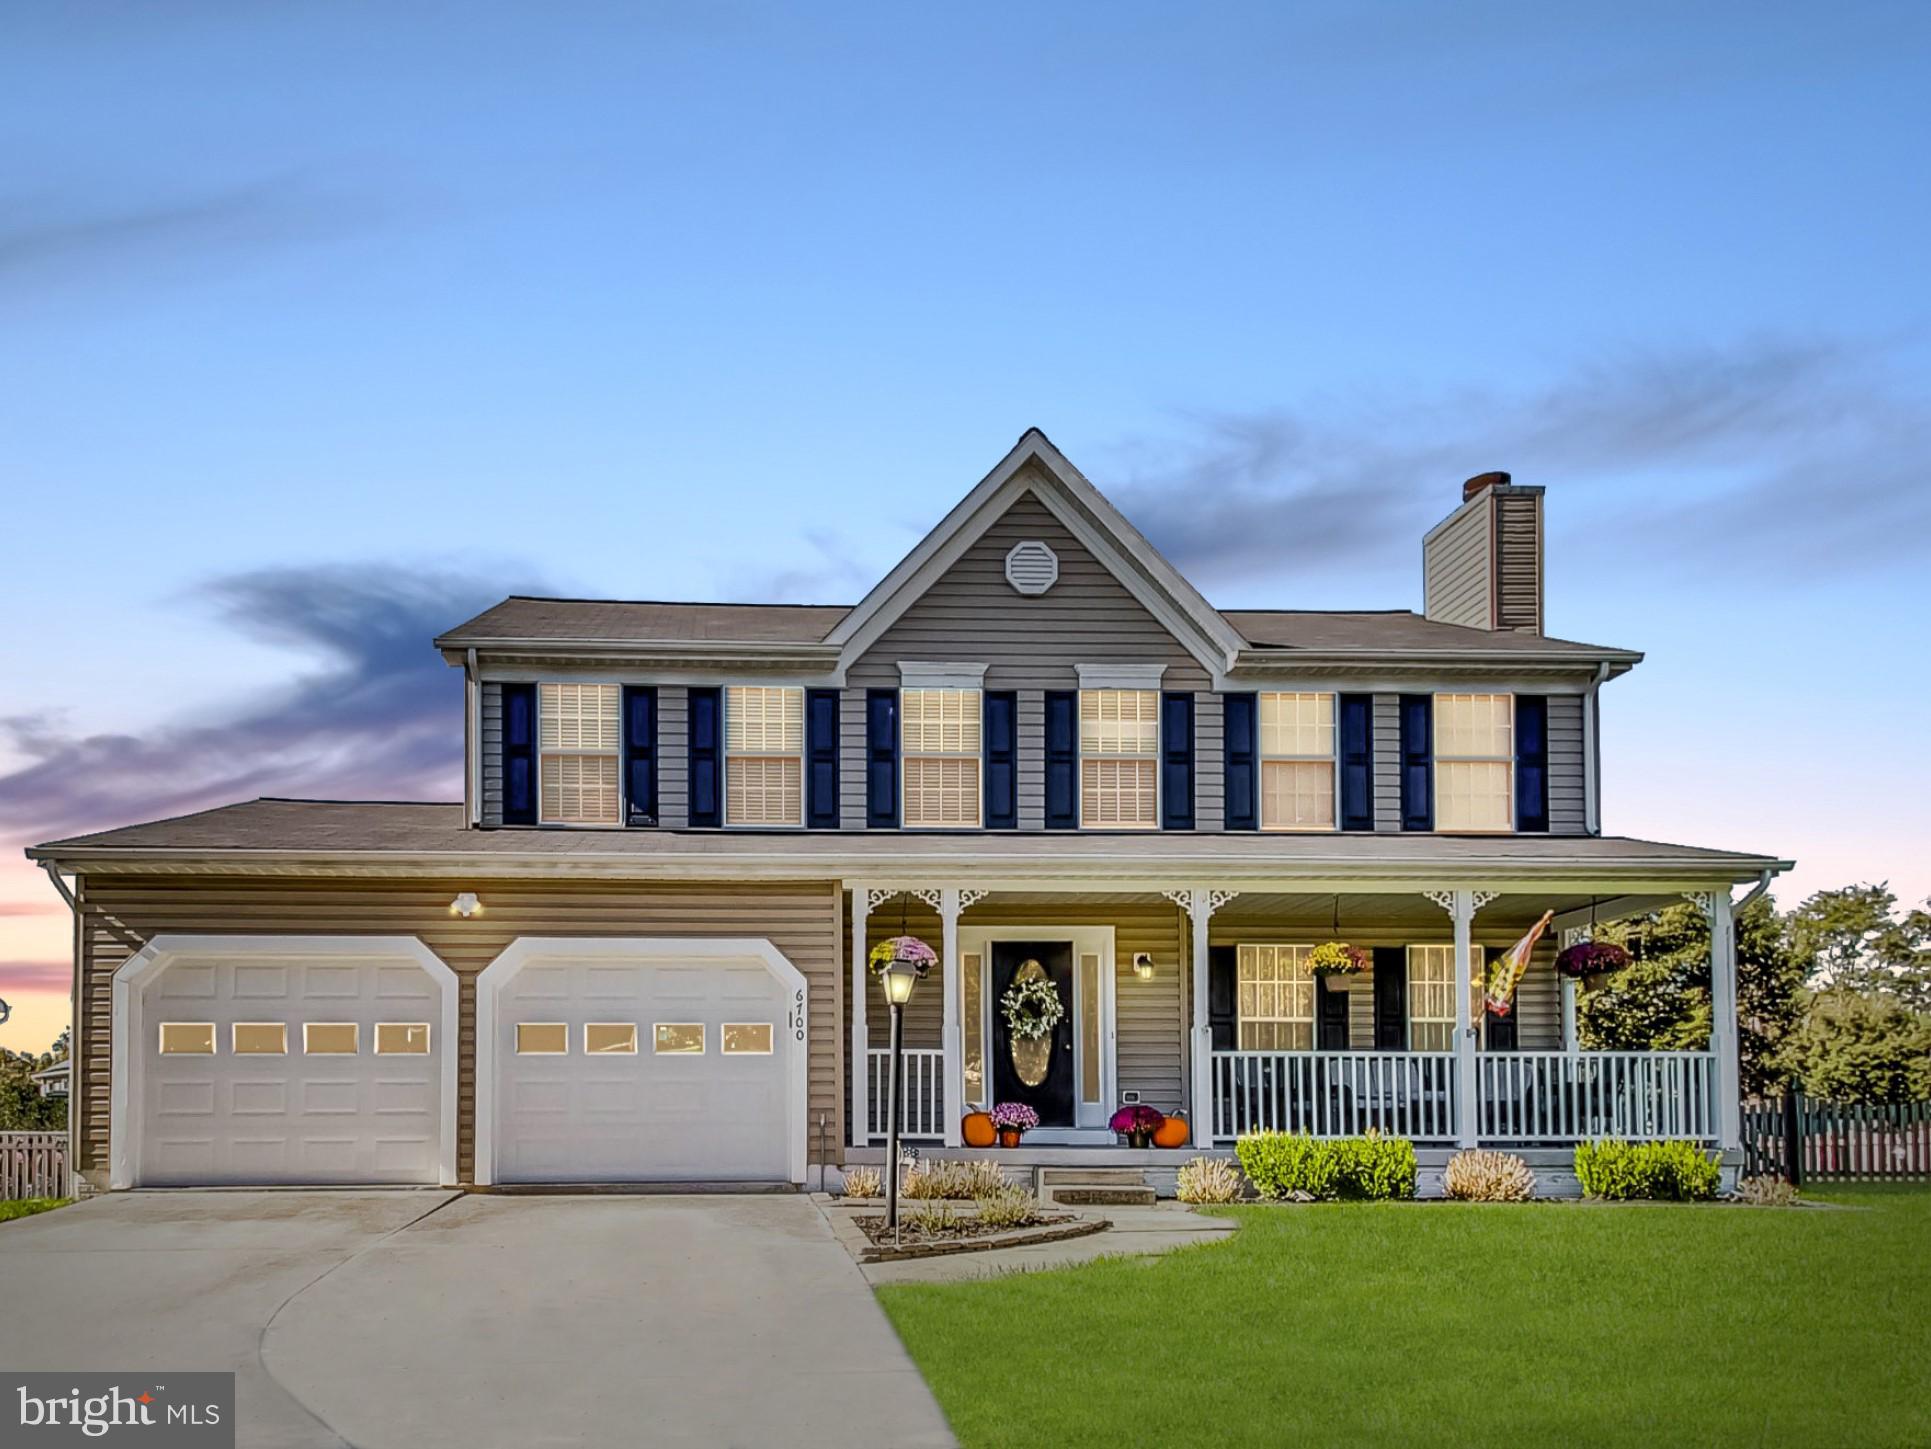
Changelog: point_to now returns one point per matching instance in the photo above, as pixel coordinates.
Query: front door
(1038, 1072)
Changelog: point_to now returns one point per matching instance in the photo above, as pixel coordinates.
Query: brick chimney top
(1483, 480)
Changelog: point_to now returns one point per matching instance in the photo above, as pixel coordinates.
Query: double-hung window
(764, 749)
(1297, 761)
(1431, 996)
(940, 746)
(578, 741)
(1474, 762)
(1276, 998)
(1119, 745)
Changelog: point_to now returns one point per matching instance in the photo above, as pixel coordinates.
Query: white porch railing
(1335, 1094)
(1572, 1096)
(1553, 1097)
(922, 1085)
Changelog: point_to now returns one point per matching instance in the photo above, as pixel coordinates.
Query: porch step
(1090, 1176)
(1082, 1195)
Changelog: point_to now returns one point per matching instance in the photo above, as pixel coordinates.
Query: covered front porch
(1194, 999)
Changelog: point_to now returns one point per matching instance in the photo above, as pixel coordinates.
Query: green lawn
(1448, 1324)
(26, 1207)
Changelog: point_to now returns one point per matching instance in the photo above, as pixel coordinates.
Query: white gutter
(1762, 885)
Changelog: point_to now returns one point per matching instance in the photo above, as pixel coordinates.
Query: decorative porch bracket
(1461, 906)
(1719, 910)
(1200, 903)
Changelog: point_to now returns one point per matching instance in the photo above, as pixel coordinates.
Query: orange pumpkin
(976, 1129)
(1171, 1133)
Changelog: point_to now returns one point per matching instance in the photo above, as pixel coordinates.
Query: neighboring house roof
(432, 837)
(58, 1069)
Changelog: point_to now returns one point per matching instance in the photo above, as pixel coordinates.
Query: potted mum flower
(1137, 1123)
(1013, 1121)
(1337, 958)
(1591, 962)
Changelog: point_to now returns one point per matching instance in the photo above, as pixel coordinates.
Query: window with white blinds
(764, 748)
(1474, 761)
(1297, 761)
(578, 763)
(1275, 1005)
(1119, 743)
(940, 739)
(1431, 996)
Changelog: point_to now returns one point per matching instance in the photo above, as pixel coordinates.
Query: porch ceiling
(1358, 910)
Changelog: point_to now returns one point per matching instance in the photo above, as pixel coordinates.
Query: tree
(1860, 1046)
(22, 1108)
(1854, 938)
(64, 1044)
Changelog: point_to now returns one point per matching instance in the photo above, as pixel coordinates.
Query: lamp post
(898, 977)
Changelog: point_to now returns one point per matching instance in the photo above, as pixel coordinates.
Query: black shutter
(1330, 1016)
(1532, 762)
(1176, 761)
(1500, 1031)
(1062, 759)
(821, 759)
(519, 754)
(640, 754)
(1390, 999)
(881, 759)
(707, 775)
(1241, 743)
(1223, 1018)
(1357, 761)
(1418, 762)
(1002, 760)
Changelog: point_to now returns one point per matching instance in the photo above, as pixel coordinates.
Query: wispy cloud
(1806, 456)
(380, 717)
(834, 577)
(24, 977)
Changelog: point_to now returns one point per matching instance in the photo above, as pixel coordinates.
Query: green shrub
(1664, 1171)
(1280, 1164)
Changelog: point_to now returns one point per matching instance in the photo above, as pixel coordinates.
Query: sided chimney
(1482, 565)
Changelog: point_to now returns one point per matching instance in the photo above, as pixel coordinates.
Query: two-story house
(636, 949)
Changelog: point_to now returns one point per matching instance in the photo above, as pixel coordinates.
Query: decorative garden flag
(1505, 972)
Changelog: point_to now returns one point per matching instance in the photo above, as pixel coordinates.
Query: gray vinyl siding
(1538, 1001)
(1387, 762)
(852, 760)
(1568, 805)
(673, 756)
(1518, 560)
(491, 746)
(1209, 762)
(1030, 720)
(1458, 566)
(971, 614)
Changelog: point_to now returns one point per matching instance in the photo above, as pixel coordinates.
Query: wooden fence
(1803, 1139)
(33, 1164)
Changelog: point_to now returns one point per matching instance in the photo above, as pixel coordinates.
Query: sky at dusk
(324, 326)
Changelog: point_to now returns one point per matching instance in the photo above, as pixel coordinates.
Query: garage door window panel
(542, 1039)
(747, 1039)
(402, 1039)
(331, 1038)
(685, 1038)
(187, 1038)
(260, 1038)
(610, 1038)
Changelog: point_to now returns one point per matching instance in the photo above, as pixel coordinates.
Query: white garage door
(635, 1062)
(291, 1060)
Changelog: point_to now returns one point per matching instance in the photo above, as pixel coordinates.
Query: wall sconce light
(1143, 965)
(466, 905)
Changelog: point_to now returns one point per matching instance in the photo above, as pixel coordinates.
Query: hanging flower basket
(1337, 958)
(1591, 961)
(902, 948)
(1032, 1008)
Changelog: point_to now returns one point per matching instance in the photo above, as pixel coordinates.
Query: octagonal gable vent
(1031, 567)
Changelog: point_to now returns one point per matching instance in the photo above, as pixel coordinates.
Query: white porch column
(952, 985)
(1570, 1041)
(1200, 903)
(1461, 906)
(1723, 1018)
(861, 1039)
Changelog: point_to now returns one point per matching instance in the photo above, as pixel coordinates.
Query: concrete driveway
(427, 1318)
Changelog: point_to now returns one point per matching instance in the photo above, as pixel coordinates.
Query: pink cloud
(35, 976)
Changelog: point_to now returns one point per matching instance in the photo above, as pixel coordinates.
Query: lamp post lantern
(898, 977)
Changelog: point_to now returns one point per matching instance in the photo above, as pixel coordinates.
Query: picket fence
(1804, 1139)
(33, 1164)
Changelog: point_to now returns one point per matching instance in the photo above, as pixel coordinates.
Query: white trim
(124, 1093)
(916, 674)
(1099, 940)
(1121, 676)
(515, 956)
(857, 1054)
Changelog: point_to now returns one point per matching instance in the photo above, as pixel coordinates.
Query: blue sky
(321, 324)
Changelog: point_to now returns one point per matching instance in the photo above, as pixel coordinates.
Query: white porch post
(1570, 1041)
(952, 985)
(1723, 1014)
(1200, 913)
(1468, 1116)
(861, 1039)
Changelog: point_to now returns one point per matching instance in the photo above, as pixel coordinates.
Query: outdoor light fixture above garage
(1143, 965)
(466, 905)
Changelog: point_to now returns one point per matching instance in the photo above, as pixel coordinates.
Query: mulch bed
(960, 1229)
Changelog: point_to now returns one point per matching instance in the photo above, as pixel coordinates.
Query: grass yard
(1459, 1324)
(26, 1207)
